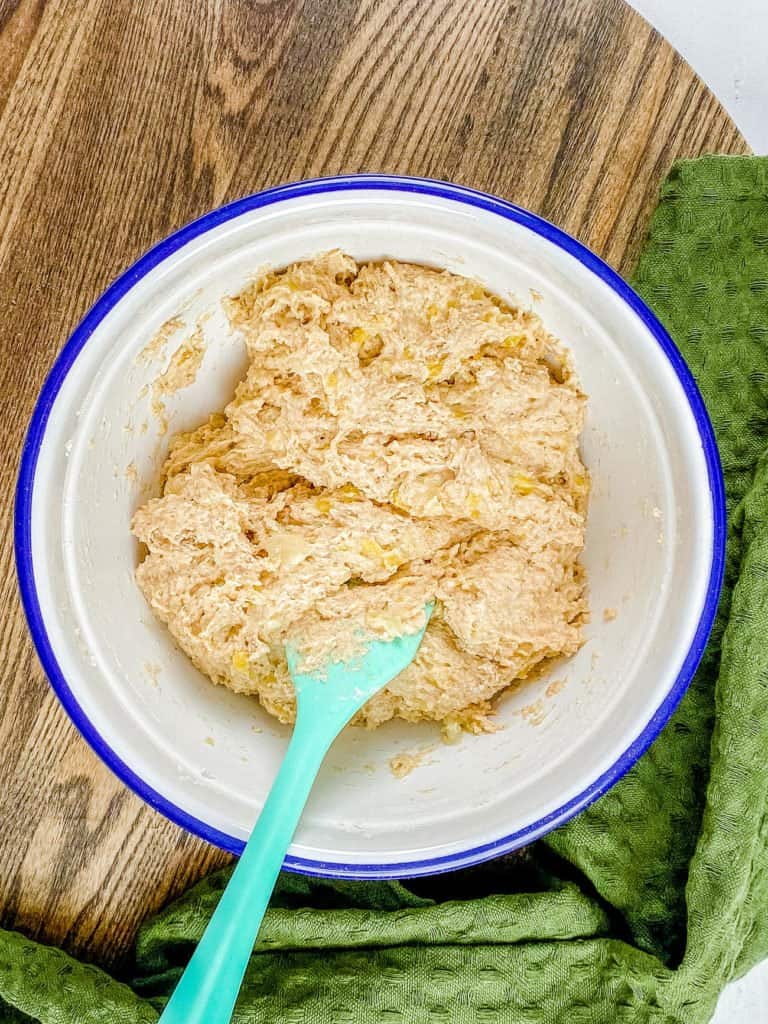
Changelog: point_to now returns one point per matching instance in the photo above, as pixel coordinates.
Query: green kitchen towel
(647, 904)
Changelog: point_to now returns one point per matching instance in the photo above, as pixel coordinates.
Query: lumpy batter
(401, 435)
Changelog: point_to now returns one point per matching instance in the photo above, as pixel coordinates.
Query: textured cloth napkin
(642, 908)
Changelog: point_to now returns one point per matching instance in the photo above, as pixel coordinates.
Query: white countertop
(726, 42)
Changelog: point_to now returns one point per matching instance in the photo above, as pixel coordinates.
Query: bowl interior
(212, 754)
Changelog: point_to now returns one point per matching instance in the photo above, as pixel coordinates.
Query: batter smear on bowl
(401, 435)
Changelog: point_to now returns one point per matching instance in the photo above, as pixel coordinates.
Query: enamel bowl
(206, 757)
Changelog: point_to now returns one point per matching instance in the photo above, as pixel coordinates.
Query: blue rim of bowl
(120, 287)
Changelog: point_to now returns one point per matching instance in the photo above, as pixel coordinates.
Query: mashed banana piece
(400, 435)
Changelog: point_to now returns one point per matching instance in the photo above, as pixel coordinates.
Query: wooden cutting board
(122, 119)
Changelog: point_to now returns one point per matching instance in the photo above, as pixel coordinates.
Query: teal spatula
(326, 700)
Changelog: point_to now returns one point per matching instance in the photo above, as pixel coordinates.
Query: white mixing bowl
(206, 757)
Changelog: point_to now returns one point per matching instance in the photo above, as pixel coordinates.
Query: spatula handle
(207, 991)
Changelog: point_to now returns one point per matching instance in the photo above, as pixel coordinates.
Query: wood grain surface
(122, 119)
